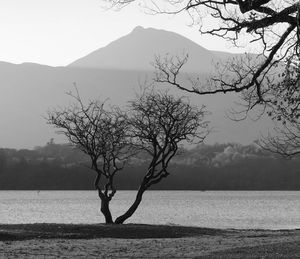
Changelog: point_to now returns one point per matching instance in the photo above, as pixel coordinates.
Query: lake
(214, 209)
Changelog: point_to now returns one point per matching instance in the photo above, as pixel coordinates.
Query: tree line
(204, 167)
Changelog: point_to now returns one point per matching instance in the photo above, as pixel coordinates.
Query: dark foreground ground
(144, 241)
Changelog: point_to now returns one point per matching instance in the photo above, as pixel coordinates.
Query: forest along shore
(148, 241)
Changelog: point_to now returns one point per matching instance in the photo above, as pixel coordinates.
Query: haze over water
(214, 209)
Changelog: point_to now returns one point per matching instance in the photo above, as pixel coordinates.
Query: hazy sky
(57, 32)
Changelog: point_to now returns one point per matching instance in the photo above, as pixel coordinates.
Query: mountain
(137, 50)
(28, 90)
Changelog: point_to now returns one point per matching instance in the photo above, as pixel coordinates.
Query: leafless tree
(271, 26)
(159, 123)
(155, 123)
(286, 111)
(102, 135)
(285, 141)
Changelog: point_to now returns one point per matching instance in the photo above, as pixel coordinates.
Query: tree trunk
(105, 211)
(133, 207)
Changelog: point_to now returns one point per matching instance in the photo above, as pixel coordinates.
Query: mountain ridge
(31, 89)
(139, 30)
(136, 50)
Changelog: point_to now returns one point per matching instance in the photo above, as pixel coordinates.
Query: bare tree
(102, 135)
(274, 24)
(286, 111)
(285, 141)
(156, 123)
(269, 79)
(159, 123)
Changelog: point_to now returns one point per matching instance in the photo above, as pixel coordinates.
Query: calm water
(217, 209)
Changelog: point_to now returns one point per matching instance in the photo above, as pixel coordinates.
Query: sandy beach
(144, 241)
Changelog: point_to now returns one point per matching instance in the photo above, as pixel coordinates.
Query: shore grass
(147, 241)
(91, 231)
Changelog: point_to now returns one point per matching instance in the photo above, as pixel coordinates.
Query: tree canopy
(159, 124)
(155, 123)
(102, 135)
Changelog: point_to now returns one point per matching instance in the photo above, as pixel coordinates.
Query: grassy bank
(126, 231)
(147, 241)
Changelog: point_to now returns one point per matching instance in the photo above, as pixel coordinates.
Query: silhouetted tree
(102, 135)
(270, 79)
(285, 141)
(286, 111)
(157, 123)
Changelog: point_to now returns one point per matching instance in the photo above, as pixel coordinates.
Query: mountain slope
(29, 90)
(136, 51)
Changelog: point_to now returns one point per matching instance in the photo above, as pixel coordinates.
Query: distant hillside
(114, 72)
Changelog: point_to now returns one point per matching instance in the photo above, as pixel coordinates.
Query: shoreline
(141, 240)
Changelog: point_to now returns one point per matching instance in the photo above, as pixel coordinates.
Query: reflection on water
(217, 209)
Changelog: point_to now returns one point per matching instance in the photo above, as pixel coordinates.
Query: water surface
(216, 209)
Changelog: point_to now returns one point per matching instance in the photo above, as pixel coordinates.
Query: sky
(57, 32)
